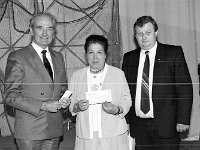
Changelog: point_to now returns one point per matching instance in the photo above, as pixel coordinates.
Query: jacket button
(42, 93)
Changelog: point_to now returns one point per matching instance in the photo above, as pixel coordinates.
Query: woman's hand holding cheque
(111, 108)
(81, 105)
(65, 102)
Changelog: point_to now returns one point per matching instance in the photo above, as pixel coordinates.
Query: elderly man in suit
(161, 90)
(35, 79)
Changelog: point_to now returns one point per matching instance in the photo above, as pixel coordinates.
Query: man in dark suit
(168, 89)
(34, 90)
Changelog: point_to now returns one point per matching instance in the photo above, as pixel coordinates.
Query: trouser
(147, 137)
(47, 144)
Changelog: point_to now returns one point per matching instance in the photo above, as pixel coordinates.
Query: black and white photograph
(99, 75)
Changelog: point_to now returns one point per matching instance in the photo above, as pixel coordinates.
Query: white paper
(67, 94)
(98, 97)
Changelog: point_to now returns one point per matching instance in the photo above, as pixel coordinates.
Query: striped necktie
(47, 64)
(145, 104)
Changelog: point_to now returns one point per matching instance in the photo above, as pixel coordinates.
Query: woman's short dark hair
(99, 39)
(141, 21)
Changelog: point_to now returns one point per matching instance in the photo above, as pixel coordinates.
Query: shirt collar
(152, 50)
(38, 48)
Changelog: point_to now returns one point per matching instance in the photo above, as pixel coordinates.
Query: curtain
(178, 23)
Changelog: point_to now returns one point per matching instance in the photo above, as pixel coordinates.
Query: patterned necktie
(145, 104)
(47, 64)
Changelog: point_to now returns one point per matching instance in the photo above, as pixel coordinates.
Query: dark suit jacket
(172, 92)
(27, 86)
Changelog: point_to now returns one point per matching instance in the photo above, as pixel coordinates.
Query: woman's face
(96, 56)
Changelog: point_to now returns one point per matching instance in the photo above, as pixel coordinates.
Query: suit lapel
(135, 62)
(56, 68)
(158, 67)
(55, 63)
(159, 59)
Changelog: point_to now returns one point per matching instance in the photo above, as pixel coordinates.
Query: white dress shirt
(152, 53)
(39, 52)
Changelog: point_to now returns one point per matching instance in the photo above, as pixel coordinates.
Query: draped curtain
(178, 23)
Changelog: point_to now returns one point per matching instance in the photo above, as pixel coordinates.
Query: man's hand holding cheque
(65, 99)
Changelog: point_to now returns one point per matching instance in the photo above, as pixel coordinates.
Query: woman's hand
(65, 102)
(81, 105)
(110, 108)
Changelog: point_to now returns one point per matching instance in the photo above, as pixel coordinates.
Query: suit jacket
(112, 125)
(27, 86)
(172, 92)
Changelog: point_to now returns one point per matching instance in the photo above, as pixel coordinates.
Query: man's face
(43, 31)
(146, 36)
